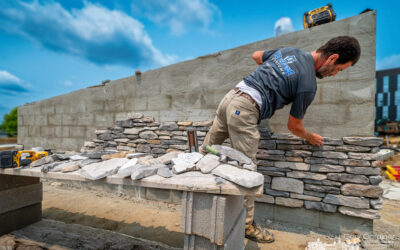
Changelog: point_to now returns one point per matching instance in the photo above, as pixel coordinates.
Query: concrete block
(158, 194)
(104, 119)
(85, 119)
(13, 181)
(95, 105)
(76, 131)
(40, 120)
(176, 196)
(159, 102)
(68, 119)
(337, 222)
(210, 216)
(15, 198)
(20, 218)
(235, 240)
(55, 119)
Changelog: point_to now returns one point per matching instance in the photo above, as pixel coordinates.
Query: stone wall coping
(190, 181)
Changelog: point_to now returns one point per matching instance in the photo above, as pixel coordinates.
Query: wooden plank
(190, 181)
(16, 198)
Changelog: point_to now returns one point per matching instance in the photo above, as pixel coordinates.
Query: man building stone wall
(191, 90)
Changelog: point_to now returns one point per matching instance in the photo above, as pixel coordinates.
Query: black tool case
(7, 159)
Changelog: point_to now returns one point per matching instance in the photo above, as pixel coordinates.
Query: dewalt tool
(14, 158)
(319, 16)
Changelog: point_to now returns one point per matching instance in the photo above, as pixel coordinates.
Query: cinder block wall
(191, 90)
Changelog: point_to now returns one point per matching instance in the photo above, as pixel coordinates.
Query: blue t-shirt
(287, 75)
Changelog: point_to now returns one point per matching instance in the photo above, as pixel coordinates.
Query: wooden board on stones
(190, 181)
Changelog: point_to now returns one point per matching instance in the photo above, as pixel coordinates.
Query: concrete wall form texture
(192, 90)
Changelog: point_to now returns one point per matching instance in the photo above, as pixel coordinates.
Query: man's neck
(318, 60)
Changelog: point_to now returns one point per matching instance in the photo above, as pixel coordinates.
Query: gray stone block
(371, 191)
(352, 178)
(210, 216)
(330, 154)
(292, 165)
(348, 201)
(363, 141)
(306, 175)
(326, 168)
(363, 170)
(276, 193)
(375, 180)
(287, 184)
(320, 206)
(362, 213)
(322, 189)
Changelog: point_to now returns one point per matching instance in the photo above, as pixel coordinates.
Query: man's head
(336, 55)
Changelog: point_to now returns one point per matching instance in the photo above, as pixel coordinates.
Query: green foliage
(10, 123)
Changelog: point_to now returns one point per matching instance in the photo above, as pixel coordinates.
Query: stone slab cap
(363, 213)
(364, 141)
(44, 160)
(233, 153)
(146, 171)
(68, 166)
(87, 162)
(127, 169)
(241, 177)
(208, 163)
(49, 166)
(96, 171)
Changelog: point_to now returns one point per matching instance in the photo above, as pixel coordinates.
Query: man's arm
(296, 127)
(257, 57)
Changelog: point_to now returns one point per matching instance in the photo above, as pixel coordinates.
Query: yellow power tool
(14, 158)
(319, 16)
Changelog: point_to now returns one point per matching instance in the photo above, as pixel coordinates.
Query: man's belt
(241, 93)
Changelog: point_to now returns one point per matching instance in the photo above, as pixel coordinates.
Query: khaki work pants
(237, 118)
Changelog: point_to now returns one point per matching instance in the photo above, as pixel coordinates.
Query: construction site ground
(71, 214)
(95, 219)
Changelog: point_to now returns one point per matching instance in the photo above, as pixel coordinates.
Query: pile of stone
(143, 134)
(96, 165)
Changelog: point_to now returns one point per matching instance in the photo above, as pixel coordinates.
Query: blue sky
(49, 48)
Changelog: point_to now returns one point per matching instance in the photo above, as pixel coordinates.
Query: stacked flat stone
(141, 133)
(340, 176)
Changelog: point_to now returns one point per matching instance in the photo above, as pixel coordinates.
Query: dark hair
(347, 47)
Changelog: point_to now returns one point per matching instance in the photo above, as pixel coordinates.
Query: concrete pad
(20, 218)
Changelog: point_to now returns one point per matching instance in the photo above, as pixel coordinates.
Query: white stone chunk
(241, 177)
(135, 155)
(77, 157)
(193, 157)
(164, 172)
(208, 163)
(127, 169)
(181, 166)
(233, 154)
(99, 170)
(146, 171)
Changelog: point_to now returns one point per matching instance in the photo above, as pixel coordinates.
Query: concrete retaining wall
(191, 90)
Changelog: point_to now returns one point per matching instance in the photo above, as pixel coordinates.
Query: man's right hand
(315, 139)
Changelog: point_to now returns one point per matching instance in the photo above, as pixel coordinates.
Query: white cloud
(10, 84)
(179, 15)
(68, 83)
(100, 35)
(389, 62)
(283, 26)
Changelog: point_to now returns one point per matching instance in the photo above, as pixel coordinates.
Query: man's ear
(333, 58)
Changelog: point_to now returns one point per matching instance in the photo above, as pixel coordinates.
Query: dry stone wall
(341, 176)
